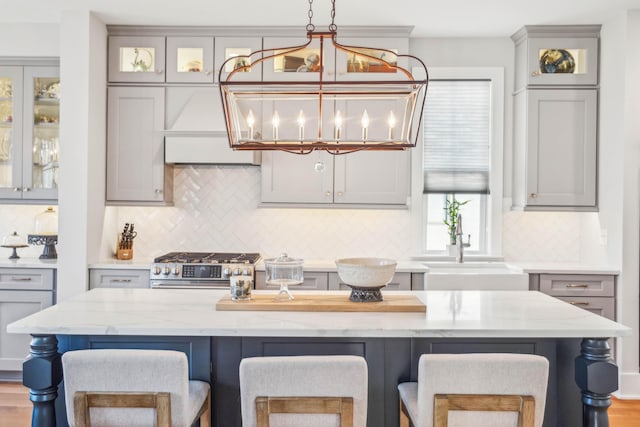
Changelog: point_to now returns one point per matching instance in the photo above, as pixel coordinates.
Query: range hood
(196, 133)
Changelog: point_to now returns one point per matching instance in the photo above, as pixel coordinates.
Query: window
(462, 156)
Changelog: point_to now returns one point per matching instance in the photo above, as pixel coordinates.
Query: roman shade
(457, 136)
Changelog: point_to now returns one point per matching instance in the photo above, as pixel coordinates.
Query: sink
(475, 276)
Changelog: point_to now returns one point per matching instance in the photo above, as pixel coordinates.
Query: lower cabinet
(595, 293)
(114, 278)
(23, 291)
(317, 281)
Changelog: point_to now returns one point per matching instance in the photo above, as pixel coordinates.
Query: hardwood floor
(15, 408)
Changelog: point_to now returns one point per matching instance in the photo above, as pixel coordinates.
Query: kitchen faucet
(460, 244)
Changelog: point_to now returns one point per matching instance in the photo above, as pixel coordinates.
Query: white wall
(82, 148)
(619, 177)
(29, 39)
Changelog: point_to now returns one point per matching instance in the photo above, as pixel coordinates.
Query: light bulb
(301, 120)
(276, 123)
(392, 123)
(365, 125)
(250, 121)
(338, 126)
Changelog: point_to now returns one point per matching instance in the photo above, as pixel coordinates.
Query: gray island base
(581, 378)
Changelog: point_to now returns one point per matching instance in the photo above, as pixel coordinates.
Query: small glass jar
(284, 271)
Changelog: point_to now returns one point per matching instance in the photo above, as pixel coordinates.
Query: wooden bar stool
(133, 388)
(304, 391)
(492, 390)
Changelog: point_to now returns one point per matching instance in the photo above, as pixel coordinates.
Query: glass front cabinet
(29, 132)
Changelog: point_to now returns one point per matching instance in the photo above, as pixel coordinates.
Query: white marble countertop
(458, 314)
(24, 262)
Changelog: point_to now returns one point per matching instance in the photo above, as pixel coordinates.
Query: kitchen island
(216, 341)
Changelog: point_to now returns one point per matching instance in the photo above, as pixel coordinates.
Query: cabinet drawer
(26, 278)
(312, 282)
(577, 285)
(602, 306)
(107, 278)
(399, 282)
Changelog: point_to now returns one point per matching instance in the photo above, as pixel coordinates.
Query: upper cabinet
(361, 178)
(556, 118)
(364, 65)
(136, 59)
(190, 60)
(238, 48)
(556, 55)
(29, 133)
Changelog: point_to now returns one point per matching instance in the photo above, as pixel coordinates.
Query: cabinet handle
(158, 191)
(574, 285)
(121, 281)
(533, 195)
(578, 303)
(21, 279)
(26, 189)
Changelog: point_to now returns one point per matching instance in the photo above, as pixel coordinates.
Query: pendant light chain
(333, 27)
(310, 26)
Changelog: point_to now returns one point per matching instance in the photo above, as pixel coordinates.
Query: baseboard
(629, 386)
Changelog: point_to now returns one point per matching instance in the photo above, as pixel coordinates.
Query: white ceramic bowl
(366, 272)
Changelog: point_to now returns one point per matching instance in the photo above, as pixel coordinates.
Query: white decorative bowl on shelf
(366, 276)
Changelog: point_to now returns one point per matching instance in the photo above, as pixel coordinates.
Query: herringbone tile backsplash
(216, 209)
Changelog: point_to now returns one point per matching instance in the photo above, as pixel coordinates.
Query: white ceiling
(443, 18)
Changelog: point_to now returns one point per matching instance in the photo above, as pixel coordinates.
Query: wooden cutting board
(322, 302)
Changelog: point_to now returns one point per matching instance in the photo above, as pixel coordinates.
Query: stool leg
(404, 418)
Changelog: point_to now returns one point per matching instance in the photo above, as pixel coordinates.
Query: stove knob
(176, 271)
(236, 272)
(246, 272)
(156, 270)
(167, 270)
(226, 272)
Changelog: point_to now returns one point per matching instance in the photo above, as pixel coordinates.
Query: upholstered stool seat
(476, 390)
(133, 388)
(310, 391)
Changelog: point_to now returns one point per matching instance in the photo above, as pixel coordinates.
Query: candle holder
(48, 240)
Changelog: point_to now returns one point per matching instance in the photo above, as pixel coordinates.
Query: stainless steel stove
(197, 270)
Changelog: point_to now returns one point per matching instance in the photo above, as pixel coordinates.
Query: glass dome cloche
(45, 232)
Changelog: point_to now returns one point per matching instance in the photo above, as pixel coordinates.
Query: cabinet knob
(207, 72)
(160, 71)
(158, 191)
(339, 193)
(533, 195)
(16, 189)
(327, 193)
(26, 189)
(535, 73)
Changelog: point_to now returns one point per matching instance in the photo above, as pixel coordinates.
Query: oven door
(188, 284)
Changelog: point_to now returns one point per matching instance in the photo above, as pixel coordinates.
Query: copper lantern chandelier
(316, 108)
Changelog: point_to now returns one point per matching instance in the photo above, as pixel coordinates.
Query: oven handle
(182, 284)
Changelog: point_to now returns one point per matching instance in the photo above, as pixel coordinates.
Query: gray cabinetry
(595, 293)
(399, 282)
(118, 278)
(556, 118)
(23, 291)
(136, 59)
(136, 172)
(369, 178)
(29, 132)
(312, 282)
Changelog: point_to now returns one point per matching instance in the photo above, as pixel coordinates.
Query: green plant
(451, 212)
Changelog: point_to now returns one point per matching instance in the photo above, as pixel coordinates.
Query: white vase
(452, 250)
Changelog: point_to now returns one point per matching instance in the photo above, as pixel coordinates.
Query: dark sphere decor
(555, 61)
